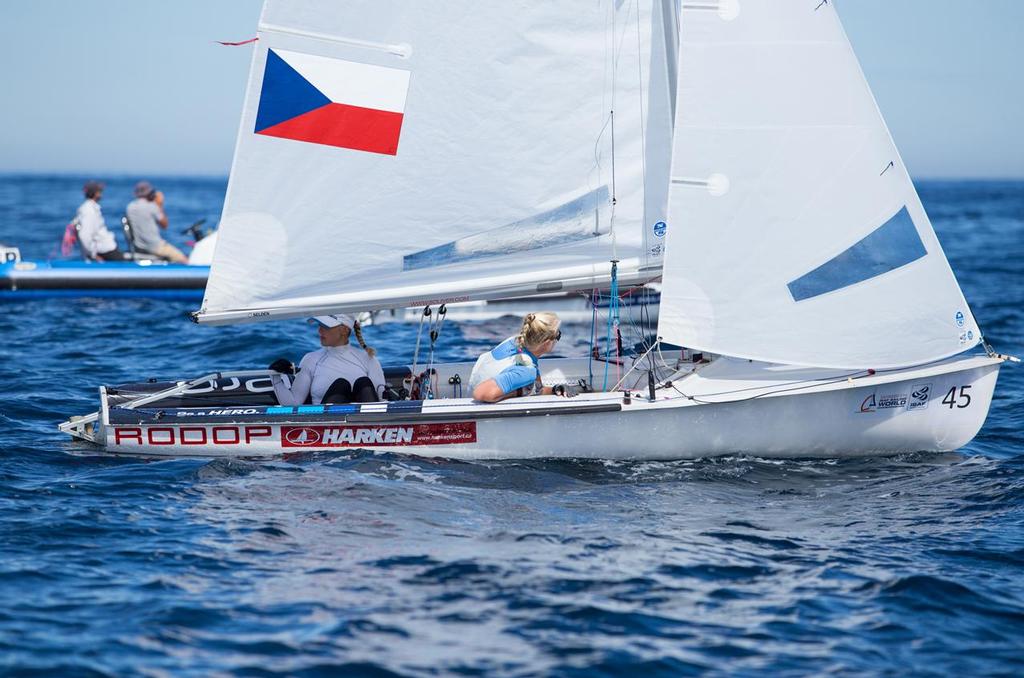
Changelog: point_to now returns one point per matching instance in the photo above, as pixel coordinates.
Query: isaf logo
(919, 397)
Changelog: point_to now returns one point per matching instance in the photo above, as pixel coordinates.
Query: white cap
(334, 320)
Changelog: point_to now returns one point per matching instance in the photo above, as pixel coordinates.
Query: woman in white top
(336, 373)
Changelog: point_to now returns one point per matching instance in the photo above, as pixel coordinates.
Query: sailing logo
(959, 317)
(919, 397)
(659, 229)
(889, 401)
(301, 437)
(378, 436)
(332, 102)
(218, 413)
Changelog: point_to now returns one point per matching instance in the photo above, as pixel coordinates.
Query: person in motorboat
(511, 368)
(95, 239)
(146, 217)
(336, 373)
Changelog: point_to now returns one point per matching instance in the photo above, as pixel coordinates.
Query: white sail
(398, 153)
(796, 235)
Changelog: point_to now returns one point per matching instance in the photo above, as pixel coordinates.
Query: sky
(123, 87)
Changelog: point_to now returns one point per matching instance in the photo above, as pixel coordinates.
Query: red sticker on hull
(378, 436)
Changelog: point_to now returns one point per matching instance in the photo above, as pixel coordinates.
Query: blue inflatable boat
(37, 279)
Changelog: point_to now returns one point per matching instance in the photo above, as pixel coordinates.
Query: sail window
(579, 219)
(893, 244)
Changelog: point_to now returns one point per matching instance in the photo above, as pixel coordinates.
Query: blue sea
(381, 565)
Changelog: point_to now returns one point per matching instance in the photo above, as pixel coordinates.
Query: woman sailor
(510, 369)
(336, 373)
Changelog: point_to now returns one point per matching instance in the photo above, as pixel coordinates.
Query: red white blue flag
(332, 102)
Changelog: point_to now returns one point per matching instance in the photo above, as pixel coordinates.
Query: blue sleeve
(517, 376)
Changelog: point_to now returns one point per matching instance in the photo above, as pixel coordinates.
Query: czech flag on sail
(332, 102)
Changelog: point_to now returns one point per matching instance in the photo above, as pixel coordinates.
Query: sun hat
(335, 320)
(143, 189)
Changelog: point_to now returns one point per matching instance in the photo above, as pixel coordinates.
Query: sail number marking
(959, 400)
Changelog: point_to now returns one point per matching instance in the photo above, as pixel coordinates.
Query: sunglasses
(558, 335)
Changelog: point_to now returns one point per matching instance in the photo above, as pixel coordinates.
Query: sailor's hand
(159, 198)
(283, 366)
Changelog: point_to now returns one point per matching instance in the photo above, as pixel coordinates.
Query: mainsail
(796, 235)
(391, 150)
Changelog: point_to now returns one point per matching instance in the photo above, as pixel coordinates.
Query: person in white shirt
(336, 373)
(95, 239)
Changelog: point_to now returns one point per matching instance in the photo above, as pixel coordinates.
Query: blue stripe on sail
(893, 244)
(574, 221)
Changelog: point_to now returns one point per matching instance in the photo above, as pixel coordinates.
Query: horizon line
(124, 174)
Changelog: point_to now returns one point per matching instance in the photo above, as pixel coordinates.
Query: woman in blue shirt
(511, 369)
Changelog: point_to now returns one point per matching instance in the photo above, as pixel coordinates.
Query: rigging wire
(613, 324)
(430, 374)
(595, 295)
(791, 386)
(419, 335)
(635, 363)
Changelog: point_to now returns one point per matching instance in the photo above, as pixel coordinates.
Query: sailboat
(400, 154)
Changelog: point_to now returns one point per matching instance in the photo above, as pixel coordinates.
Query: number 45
(961, 401)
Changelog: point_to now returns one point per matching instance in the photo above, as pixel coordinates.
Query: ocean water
(362, 564)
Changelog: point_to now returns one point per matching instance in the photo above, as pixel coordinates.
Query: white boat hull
(729, 407)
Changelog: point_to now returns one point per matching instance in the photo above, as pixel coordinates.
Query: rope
(635, 363)
(613, 322)
(435, 332)
(595, 295)
(419, 334)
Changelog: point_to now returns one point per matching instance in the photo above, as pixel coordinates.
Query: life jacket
(70, 239)
(492, 363)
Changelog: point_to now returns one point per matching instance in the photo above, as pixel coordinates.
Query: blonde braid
(537, 328)
(358, 329)
(521, 337)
